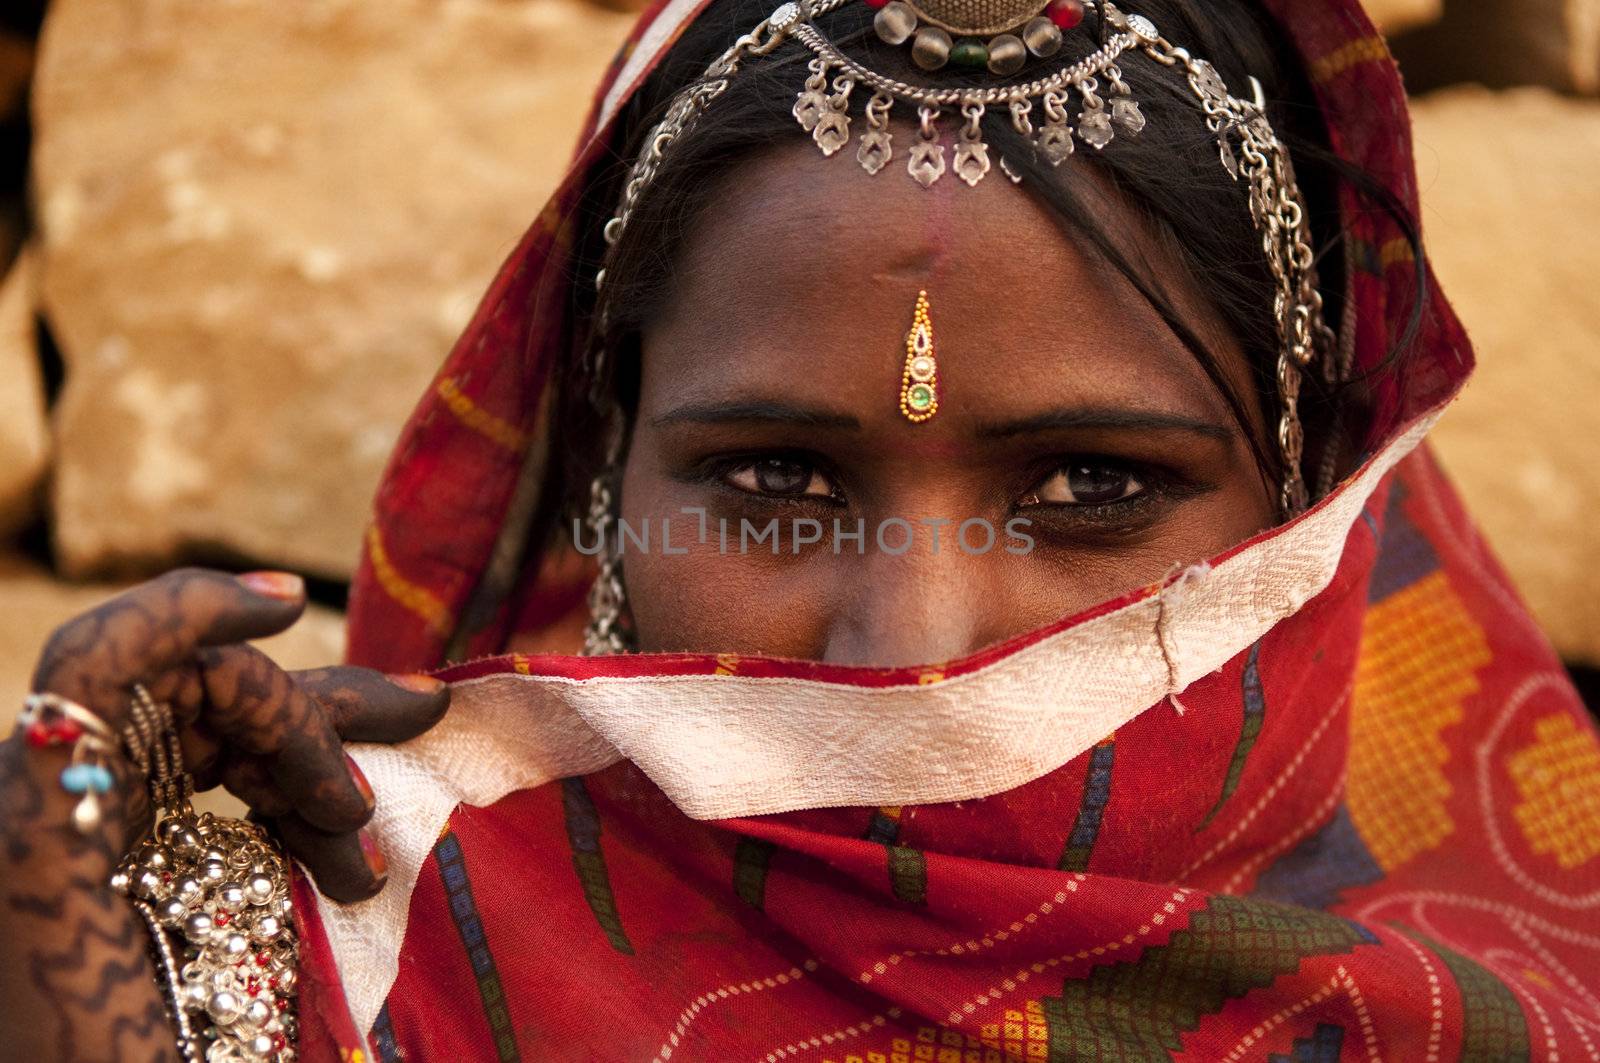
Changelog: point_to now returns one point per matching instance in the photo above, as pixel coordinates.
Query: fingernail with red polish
(374, 858)
(285, 586)
(419, 683)
(359, 777)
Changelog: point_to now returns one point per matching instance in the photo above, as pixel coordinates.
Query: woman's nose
(926, 605)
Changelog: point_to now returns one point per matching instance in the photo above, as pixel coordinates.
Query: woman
(1001, 697)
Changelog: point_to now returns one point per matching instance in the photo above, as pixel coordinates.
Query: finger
(347, 867)
(368, 706)
(201, 749)
(94, 657)
(249, 778)
(259, 708)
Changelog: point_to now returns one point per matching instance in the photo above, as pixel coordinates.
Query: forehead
(808, 268)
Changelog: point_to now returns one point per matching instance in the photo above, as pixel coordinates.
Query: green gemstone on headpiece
(920, 397)
(969, 52)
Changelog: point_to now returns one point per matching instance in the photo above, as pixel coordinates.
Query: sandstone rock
(36, 603)
(24, 437)
(1554, 43)
(1509, 202)
(1393, 16)
(256, 258)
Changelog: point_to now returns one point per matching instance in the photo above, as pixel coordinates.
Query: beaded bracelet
(213, 891)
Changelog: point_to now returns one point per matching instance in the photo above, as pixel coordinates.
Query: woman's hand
(71, 949)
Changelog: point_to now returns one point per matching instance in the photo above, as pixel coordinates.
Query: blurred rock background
(238, 237)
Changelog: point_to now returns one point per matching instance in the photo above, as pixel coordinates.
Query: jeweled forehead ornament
(1087, 101)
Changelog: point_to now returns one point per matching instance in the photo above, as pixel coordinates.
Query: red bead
(877, 3)
(222, 918)
(252, 986)
(1066, 14)
(272, 983)
(262, 959)
(279, 1042)
(56, 733)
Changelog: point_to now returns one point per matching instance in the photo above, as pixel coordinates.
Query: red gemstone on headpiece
(222, 918)
(1066, 14)
(262, 959)
(877, 3)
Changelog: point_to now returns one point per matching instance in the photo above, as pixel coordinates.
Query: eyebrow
(1124, 420)
(764, 411)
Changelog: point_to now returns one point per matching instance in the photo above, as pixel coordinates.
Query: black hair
(1170, 174)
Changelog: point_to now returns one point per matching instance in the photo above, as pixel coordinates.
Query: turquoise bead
(83, 778)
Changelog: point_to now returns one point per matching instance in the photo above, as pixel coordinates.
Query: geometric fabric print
(464, 912)
(1404, 556)
(1494, 1030)
(1091, 810)
(1558, 777)
(583, 832)
(1314, 873)
(383, 1038)
(1419, 657)
(908, 869)
(1021, 1034)
(884, 828)
(750, 859)
(1140, 1009)
(908, 874)
(1321, 1047)
(384, 1045)
(1255, 713)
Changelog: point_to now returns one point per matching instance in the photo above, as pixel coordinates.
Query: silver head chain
(1042, 111)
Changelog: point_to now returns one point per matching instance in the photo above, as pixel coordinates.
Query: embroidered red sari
(1370, 828)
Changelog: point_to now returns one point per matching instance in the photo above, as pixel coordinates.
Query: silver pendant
(927, 162)
(1230, 161)
(972, 154)
(1127, 116)
(877, 148)
(832, 131)
(1055, 142)
(1095, 128)
(1010, 171)
(809, 109)
(972, 161)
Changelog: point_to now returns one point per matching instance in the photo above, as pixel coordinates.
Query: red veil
(1372, 831)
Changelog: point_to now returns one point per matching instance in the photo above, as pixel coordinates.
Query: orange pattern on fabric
(1021, 1035)
(1365, 50)
(480, 420)
(1395, 252)
(1420, 653)
(415, 598)
(1558, 778)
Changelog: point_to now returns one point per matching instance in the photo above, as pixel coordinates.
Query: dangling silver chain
(605, 634)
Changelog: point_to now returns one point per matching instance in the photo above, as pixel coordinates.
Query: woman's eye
(780, 478)
(1087, 484)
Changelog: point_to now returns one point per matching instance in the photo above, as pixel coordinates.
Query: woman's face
(1072, 424)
